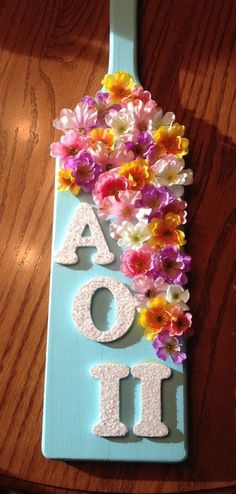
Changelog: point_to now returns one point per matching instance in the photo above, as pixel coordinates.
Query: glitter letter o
(81, 309)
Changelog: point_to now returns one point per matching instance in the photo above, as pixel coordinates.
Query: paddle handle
(123, 37)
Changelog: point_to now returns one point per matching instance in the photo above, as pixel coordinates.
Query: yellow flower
(137, 172)
(154, 317)
(67, 182)
(164, 231)
(170, 140)
(119, 85)
(106, 136)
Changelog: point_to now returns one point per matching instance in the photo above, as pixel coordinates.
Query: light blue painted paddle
(71, 400)
(123, 37)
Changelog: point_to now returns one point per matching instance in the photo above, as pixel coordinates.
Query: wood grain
(52, 53)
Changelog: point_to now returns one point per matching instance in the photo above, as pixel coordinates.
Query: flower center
(170, 347)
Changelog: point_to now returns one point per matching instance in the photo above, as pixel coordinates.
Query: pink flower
(136, 262)
(141, 114)
(121, 206)
(109, 184)
(70, 144)
(180, 322)
(111, 159)
(84, 117)
(147, 289)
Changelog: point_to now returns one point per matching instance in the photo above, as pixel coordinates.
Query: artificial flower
(141, 144)
(110, 158)
(137, 172)
(119, 85)
(84, 117)
(119, 121)
(176, 295)
(155, 317)
(103, 104)
(141, 114)
(159, 119)
(146, 288)
(121, 207)
(180, 321)
(170, 171)
(172, 265)
(170, 140)
(165, 231)
(102, 135)
(136, 262)
(168, 346)
(109, 184)
(66, 181)
(133, 236)
(70, 144)
(154, 198)
(84, 170)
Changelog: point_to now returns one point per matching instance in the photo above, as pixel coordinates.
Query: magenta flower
(168, 346)
(109, 184)
(141, 146)
(154, 198)
(84, 170)
(136, 262)
(70, 145)
(172, 265)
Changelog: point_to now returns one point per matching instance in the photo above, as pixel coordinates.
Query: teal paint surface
(71, 399)
(71, 405)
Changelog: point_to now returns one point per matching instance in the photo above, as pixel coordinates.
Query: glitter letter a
(84, 216)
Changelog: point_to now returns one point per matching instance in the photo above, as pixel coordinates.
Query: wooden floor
(52, 53)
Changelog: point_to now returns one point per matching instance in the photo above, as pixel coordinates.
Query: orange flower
(155, 317)
(106, 136)
(164, 231)
(67, 182)
(119, 85)
(137, 172)
(169, 140)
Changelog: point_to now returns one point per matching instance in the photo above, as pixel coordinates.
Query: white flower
(176, 294)
(170, 171)
(143, 214)
(133, 236)
(119, 121)
(117, 229)
(159, 119)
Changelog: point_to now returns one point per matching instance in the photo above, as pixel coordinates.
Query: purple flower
(171, 265)
(142, 145)
(84, 170)
(102, 102)
(166, 345)
(155, 198)
(176, 206)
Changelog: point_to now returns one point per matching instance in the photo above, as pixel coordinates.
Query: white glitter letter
(84, 216)
(81, 310)
(110, 375)
(151, 376)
